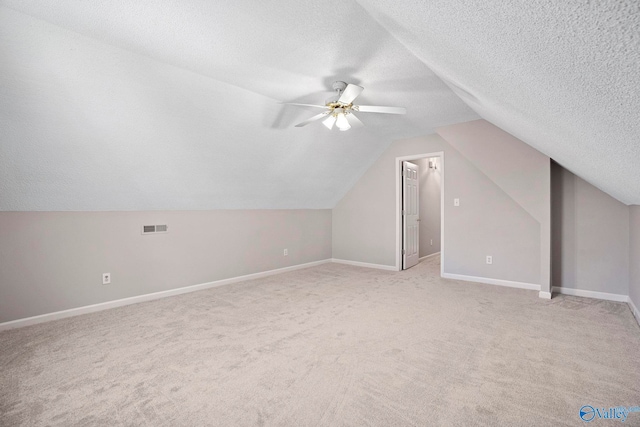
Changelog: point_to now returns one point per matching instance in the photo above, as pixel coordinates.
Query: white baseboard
(429, 256)
(364, 264)
(149, 297)
(634, 310)
(544, 295)
(591, 294)
(489, 281)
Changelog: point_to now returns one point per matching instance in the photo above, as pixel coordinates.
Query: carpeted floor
(332, 345)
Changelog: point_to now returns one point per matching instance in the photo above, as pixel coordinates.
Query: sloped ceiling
(120, 105)
(563, 76)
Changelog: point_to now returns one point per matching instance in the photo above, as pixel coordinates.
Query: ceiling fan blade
(350, 93)
(380, 109)
(354, 121)
(304, 105)
(329, 121)
(313, 119)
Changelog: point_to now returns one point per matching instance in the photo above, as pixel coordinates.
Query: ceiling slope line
(502, 190)
(393, 34)
(468, 155)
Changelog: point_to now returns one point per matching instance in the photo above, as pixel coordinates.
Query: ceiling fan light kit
(340, 108)
(329, 121)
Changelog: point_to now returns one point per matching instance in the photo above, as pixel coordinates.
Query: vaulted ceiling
(120, 105)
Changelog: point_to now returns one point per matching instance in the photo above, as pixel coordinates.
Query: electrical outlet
(286, 252)
(456, 202)
(489, 259)
(106, 278)
(431, 242)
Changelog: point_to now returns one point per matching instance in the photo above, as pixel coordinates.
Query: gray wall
(430, 180)
(364, 227)
(488, 221)
(519, 170)
(51, 261)
(590, 236)
(634, 256)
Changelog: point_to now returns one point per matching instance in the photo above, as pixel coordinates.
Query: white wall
(364, 227)
(519, 170)
(488, 221)
(590, 236)
(430, 180)
(634, 257)
(52, 261)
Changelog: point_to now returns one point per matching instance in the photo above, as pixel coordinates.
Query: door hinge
(404, 252)
(403, 212)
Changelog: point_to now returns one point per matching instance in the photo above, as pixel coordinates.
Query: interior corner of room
(544, 228)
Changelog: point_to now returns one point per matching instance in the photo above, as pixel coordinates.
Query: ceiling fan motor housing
(339, 86)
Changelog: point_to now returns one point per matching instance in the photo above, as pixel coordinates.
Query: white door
(410, 215)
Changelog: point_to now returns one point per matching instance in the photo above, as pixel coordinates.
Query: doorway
(410, 214)
(417, 221)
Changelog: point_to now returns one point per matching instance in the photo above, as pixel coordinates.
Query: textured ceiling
(120, 105)
(563, 76)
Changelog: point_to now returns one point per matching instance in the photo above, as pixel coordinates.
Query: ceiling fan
(340, 108)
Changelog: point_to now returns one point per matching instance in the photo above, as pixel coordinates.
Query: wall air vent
(154, 229)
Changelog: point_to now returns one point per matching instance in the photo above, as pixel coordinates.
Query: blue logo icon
(587, 413)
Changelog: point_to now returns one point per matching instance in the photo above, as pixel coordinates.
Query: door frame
(399, 161)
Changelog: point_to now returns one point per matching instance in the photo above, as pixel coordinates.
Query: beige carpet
(331, 345)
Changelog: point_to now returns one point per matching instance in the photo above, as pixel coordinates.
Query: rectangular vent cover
(149, 229)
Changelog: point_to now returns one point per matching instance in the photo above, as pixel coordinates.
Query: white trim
(429, 256)
(364, 264)
(590, 294)
(544, 295)
(634, 310)
(489, 281)
(149, 297)
(399, 161)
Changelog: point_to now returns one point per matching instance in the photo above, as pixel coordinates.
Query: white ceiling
(120, 105)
